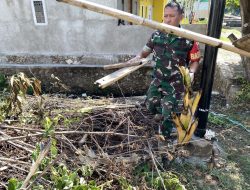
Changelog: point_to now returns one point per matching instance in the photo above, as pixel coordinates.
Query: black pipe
(214, 30)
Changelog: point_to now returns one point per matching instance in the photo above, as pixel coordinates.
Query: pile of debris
(111, 143)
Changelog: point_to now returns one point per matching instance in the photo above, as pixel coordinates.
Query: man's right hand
(135, 59)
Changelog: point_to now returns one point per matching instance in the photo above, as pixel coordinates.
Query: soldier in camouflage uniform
(169, 51)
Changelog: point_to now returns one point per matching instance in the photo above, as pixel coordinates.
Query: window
(39, 12)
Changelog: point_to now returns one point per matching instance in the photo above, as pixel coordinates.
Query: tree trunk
(245, 16)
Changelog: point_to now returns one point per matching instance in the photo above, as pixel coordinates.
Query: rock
(200, 148)
(196, 153)
(84, 95)
(228, 69)
(73, 96)
(76, 63)
(69, 61)
(211, 180)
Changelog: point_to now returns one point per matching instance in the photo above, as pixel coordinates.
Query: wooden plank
(125, 64)
(243, 43)
(117, 75)
(156, 25)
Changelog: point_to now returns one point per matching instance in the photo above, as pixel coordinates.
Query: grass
(229, 177)
(226, 32)
(185, 21)
(234, 176)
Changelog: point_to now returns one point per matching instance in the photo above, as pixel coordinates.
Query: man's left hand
(193, 67)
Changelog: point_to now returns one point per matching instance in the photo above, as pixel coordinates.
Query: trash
(69, 61)
(209, 134)
(84, 95)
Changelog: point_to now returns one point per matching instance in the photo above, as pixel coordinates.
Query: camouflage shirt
(169, 52)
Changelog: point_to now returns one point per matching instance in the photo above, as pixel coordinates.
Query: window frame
(44, 12)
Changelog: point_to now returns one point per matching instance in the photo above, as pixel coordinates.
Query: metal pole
(214, 30)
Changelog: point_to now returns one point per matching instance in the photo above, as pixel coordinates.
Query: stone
(84, 95)
(228, 69)
(200, 148)
(69, 61)
(76, 63)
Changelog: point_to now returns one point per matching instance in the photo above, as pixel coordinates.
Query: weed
(243, 162)
(216, 120)
(244, 95)
(124, 184)
(229, 177)
(14, 184)
(12, 102)
(3, 82)
(154, 179)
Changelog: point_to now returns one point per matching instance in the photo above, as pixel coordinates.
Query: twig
(18, 143)
(156, 167)
(3, 185)
(97, 144)
(127, 143)
(128, 133)
(16, 167)
(45, 170)
(33, 168)
(21, 137)
(97, 133)
(70, 143)
(24, 129)
(13, 160)
(71, 132)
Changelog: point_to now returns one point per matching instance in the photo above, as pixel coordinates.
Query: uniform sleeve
(194, 54)
(150, 44)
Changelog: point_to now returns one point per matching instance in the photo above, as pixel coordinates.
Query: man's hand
(143, 54)
(193, 67)
(137, 58)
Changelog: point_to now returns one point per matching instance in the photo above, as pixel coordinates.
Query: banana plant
(186, 123)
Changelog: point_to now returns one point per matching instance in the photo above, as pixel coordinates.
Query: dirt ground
(116, 137)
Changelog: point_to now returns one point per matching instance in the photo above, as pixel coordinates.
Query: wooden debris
(117, 75)
(34, 167)
(125, 64)
(243, 43)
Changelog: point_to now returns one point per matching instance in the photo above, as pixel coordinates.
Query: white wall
(70, 31)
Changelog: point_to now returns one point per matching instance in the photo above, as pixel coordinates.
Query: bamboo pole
(156, 25)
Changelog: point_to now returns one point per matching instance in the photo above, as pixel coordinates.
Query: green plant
(3, 82)
(244, 95)
(19, 85)
(12, 103)
(154, 180)
(186, 122)
(66, 179)
(216, 120)
(170, 180)
(14, 184)
(233, 6)
(124, 184)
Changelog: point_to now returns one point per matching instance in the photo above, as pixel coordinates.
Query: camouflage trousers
(164, 98)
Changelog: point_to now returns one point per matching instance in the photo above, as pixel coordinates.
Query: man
(169, 51)
(191, 17)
